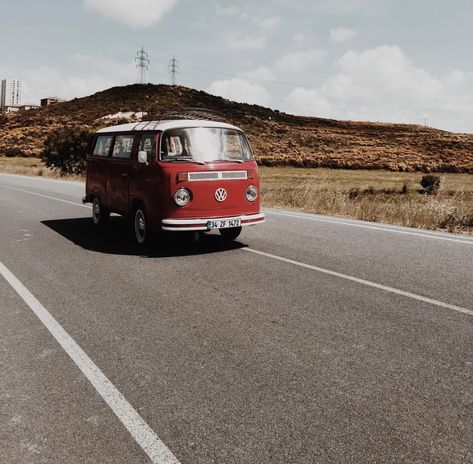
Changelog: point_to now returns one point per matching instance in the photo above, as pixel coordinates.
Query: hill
(277, 138)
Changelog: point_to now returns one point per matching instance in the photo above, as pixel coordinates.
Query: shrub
(353, 193)
(65, 150)
(430, 184)
(14, 152)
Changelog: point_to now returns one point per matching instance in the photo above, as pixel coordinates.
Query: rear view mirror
(143, 157)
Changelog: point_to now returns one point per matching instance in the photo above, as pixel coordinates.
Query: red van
(180, 175)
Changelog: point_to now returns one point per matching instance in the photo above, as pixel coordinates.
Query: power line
(142, 64)
(311, 87)
(281, 93)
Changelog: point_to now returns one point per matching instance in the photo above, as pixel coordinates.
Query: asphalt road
(309, 340)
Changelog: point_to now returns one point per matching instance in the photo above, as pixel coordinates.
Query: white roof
(164, 125)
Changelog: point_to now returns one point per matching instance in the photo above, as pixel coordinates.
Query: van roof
(164, 125)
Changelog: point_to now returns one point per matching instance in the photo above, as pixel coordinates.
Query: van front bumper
(183, 225)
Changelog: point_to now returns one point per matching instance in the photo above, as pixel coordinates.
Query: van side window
(102, 145)
(122, 147)
(148, 144)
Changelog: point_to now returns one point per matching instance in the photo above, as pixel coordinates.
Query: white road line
(134, 423)
(373, 227)
(44, 196)
(414, 296)
(42, 179)
(327, 219)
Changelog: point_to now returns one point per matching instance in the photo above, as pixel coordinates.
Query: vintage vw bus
(180, 175)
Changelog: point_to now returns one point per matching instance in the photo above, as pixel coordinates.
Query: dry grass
(373, 196)
(30, 167)
(368, 195)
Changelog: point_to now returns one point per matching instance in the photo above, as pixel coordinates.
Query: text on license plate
(223, 223)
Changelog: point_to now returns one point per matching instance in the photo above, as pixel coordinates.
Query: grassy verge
(30, 167)
(379, 196)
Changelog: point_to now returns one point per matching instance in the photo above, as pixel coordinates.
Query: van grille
(203, 175)
(217, 175)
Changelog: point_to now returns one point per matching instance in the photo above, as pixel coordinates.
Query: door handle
(124, 174)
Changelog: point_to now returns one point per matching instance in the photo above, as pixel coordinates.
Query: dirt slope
(277, 138)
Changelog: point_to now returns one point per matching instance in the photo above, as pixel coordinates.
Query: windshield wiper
(232, 159)
(188, 160)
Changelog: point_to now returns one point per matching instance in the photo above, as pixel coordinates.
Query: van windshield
(203, 144)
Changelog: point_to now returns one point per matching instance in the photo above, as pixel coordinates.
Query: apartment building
(10, 93)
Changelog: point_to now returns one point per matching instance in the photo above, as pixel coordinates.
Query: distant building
(28, 107)
(10, 95)
(51, 100)
(10, 109)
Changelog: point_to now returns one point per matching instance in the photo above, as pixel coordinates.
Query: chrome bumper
(183, 225)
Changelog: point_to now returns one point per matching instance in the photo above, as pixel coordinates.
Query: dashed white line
(386, 288)
(150, 443)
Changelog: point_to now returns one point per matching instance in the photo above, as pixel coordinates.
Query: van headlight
(251, 193)
(182, 197)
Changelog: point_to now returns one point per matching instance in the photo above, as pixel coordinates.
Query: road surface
(310, 339)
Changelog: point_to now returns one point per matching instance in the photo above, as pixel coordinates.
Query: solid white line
(414, 296)
(134, 423)
(327, 219)
(45, 196)
(78, 182)
(373, 227)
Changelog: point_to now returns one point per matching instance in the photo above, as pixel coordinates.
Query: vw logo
(220, 194)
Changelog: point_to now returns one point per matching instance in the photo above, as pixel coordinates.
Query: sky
(406, 61)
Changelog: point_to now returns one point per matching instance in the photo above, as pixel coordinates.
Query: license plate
(223, 223)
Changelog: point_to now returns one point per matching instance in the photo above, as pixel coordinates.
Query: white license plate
(223, 223)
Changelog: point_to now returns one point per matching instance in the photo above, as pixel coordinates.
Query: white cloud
(299, 38)
(382, 84)
(261, 72)
(46, 81)
(247, 43)
(342, 34)
(133, 13)
(269, 23)
(301, 60)
(240, 90)
(231, 11)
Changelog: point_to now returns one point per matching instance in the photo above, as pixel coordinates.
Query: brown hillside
(277, 138)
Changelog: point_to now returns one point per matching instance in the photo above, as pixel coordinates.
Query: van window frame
(133, 146)
(157, 144)
(109, 148)
(134, 150)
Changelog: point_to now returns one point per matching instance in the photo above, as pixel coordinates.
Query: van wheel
(230, 234)
(141, 228)
(100, 213)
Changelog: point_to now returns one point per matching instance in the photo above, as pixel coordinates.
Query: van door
(97, 165)
(144, 179)
(118, 174)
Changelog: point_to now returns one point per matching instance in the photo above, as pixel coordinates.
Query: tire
(141, 229)
(100, 214)
(230, 234)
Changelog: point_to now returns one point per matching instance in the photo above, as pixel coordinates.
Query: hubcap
(140, 226)
(96, 210)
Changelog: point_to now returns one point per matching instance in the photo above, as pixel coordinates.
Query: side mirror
(143, 157)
